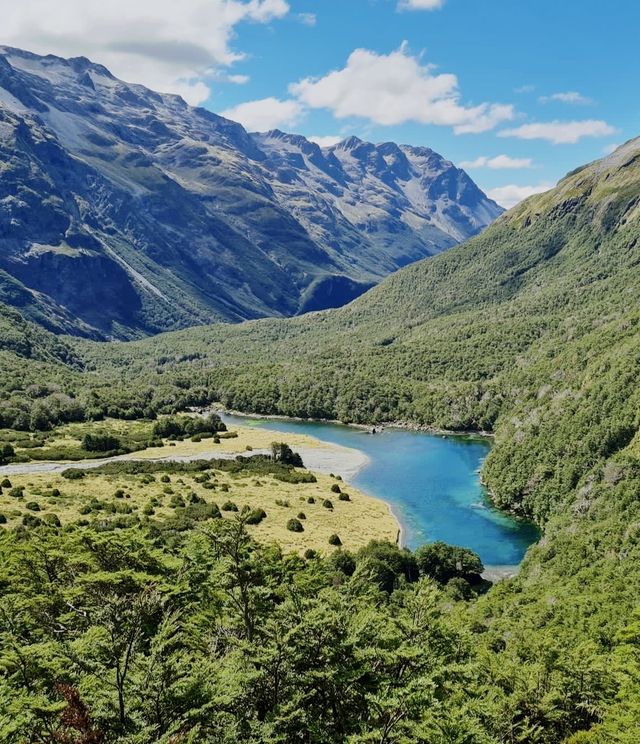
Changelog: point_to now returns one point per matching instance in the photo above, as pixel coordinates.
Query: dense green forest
(529, 331)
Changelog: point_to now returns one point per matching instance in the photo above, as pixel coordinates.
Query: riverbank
(402, 425)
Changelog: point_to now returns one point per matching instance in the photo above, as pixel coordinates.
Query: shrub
(281, 452)
(165, 479)
(255, 516)
(119, 494)
(344, 497)
(73, 474)
(295, 525)
(6, 483)
(224, 487)
(282, 502)
(229, 506)
(328, 504)
(310, 554)
(33, 506)
(311, 500)
(3, 519)
(302, 515)
(335, 540)
(30, 520)
(52, 519)
(17, 492)
(100, 443)
(55, 492)
(335, 488)
(177, 501)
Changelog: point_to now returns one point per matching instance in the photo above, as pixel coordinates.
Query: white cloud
(265, 114)
(168, 46)
(420, 4)
(525, 89)
(499, 162)
(395, 88)
(571, 97)
(560, 132)
(510, 195)
(327, 140)
(307, 19)
(238, 79)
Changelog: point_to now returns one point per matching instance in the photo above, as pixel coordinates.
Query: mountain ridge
(125, 212)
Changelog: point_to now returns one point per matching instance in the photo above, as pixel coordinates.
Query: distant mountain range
(124, 212)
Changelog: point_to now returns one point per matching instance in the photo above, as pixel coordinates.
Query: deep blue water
(432, 484)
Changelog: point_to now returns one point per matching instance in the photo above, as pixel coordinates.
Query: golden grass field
(356, 521)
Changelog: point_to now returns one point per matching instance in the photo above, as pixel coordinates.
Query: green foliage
(335, 540)
(281, 452)
(101, 443)
(173, 427)
(443, 562)
(295, 525)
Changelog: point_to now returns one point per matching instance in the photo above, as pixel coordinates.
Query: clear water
(432, 484)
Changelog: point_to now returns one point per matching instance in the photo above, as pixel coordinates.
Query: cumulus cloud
(420, 4)
(560, 132)
(510, 195)
(265, 114)
(391, 89)
(571, 97)
(499, 162)
(326, 140)
(171, 47)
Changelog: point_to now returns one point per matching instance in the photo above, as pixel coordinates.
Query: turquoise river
(431, 482)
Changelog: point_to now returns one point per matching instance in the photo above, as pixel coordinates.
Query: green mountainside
(531, 331)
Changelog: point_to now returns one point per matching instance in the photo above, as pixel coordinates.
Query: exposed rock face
(125, 212)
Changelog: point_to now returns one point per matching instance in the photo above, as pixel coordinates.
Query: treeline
(131, 635)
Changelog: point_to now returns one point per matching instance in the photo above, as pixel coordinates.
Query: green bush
(335, 540)
(295, 525)
(6, 483)
(344, 496)
(17, 492)
(3, 519)
(100, 443)
(335, 488)
(255, 516)
(327, 503)
(302, 515)
(73, 474)
(229, 506)
(33, 506)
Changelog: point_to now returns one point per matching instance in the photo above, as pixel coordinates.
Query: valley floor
(45, 491)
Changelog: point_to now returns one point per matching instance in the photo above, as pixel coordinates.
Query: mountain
(124, 212)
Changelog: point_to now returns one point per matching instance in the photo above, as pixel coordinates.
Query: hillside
(124, 212)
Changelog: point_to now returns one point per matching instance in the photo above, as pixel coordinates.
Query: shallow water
(432, 484)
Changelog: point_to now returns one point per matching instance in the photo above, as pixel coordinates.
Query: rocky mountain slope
(125, 212)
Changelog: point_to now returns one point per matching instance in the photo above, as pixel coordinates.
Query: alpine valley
(199, 584)
(125, 212)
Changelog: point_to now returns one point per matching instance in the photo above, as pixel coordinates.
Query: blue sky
(517, 91)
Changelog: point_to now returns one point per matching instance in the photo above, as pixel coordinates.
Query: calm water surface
(432, 484)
